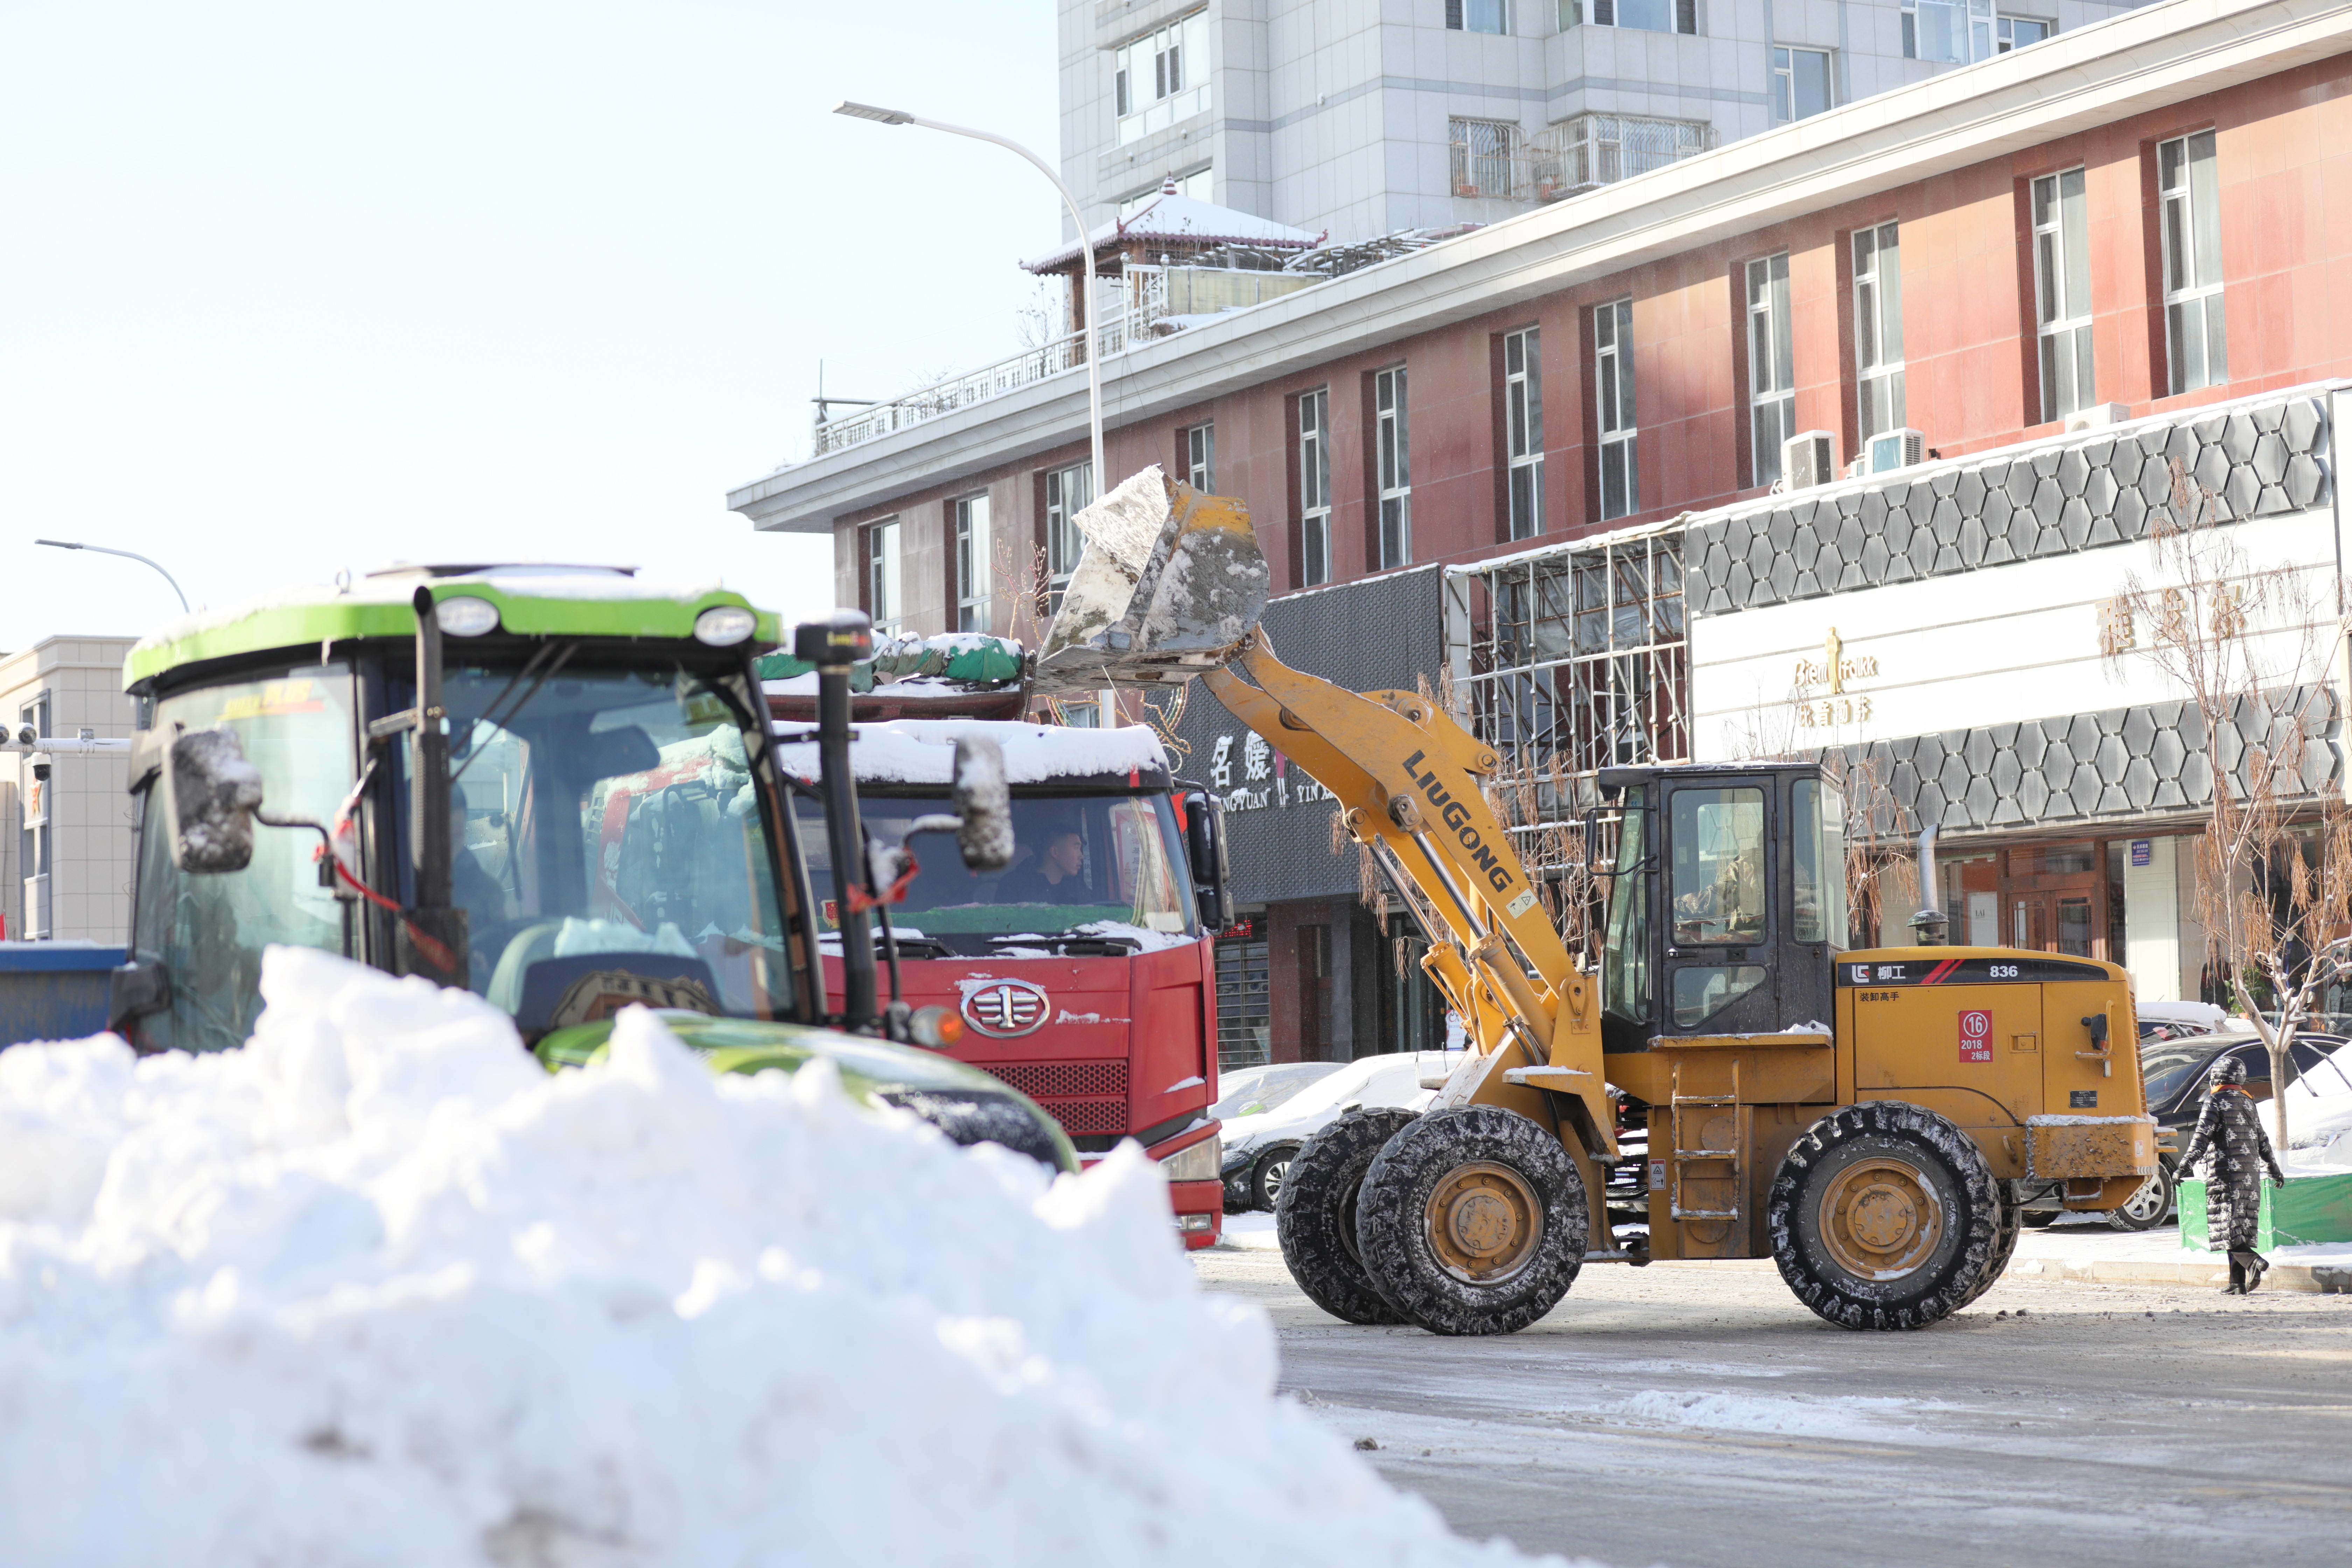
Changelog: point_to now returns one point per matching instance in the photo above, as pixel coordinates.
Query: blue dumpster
(53, 990)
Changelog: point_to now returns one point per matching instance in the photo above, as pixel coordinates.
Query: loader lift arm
(1410, 784)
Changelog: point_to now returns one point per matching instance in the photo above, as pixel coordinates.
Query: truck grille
(1084, 1096)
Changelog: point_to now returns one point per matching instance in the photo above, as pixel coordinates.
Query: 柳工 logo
(1006, 1007)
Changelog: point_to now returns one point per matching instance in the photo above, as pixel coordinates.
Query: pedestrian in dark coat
(2231, 1130)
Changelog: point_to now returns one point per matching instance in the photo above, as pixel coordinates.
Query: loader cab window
(1719, 885)
(1816, 819)
(1625, 979)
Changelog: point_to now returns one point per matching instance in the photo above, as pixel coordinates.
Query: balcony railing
(1493, 160)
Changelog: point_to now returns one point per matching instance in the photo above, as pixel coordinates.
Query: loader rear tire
(1885, 1216)
(2004, 1247)
(1315, 1216)
(1472, 1221)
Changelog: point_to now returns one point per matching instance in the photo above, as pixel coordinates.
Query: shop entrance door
(2053, 921)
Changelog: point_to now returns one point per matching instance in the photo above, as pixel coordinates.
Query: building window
(1479, 15)
(1957, 32)
(1484, 152)
(1601, 149)
(1199, 445)
(883, 604)
(1771, 366)
(1314, 488)
(1878, 331)
(1392, 463)
(1161, 78)
(1067, 491)
(1650, 16)
(2196, 345)
(2016, 32)
(1612, 377)
(2061, 292)
(1800, 83)
(32, 840)
(1523, 439)
(971, 564)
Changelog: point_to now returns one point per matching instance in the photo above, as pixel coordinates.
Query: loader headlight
(724, 625)
(1200, 1163)
(464, 616)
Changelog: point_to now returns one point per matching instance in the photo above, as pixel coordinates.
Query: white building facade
(67, 843)
(1360, 118)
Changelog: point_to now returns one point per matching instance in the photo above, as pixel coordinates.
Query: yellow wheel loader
(1870, 1120)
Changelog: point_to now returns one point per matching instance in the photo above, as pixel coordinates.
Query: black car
(2173, 1073)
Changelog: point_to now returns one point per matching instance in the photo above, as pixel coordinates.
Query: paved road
(1694, 1415)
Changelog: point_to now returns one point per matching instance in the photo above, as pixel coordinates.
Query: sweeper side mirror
(214, 793)
(1205, 846)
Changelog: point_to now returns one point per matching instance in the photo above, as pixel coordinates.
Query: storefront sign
(1835, 668)
(2143, 852)
(1266, 776)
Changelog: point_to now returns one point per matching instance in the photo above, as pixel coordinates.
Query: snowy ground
(1696, 1416)
(377, 1291)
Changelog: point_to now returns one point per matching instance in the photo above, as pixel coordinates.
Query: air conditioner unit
(2097, 417)
(1895, 450)
(1806, 460)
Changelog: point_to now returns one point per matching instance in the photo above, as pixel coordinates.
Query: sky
(297, 289)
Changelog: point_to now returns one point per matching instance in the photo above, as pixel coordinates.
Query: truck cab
(1084, 972)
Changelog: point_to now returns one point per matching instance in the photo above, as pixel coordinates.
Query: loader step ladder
(1690, 1109)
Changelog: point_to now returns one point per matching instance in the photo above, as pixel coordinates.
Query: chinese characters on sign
(1835, 668)
(1266, 777)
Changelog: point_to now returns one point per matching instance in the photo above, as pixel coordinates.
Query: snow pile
(377, 1291)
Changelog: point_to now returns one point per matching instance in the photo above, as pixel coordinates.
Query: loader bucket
(1172, 583)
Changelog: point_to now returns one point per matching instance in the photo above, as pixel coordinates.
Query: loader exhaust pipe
(1929, 923)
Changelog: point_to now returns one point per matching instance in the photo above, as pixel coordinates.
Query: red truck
(1084, 974)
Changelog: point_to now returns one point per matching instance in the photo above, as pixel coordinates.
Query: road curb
(2318, 1279)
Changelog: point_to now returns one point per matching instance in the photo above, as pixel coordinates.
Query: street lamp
(103, 550)
(1094, 311)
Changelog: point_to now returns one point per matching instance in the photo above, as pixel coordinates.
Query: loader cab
(1727, 901)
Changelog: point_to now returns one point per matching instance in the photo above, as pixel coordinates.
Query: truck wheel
(1472, 1221)
(1267, 1175)
(2148, 1207)
(1884, 1215)
(1315, 1215)
(2004, 1247)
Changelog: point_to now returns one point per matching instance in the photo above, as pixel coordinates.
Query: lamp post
(1093, 324)
(103, 550)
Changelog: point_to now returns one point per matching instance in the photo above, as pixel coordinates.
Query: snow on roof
(922, 751)
(1176, 218)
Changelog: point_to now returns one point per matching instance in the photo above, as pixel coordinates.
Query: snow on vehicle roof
(922, 751)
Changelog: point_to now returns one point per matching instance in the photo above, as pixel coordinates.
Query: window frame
(1197, 445)
(1484, 174)
(1615, 411)
(1312, 429)
(2062, 265)
(1784, 82)
(1392, 470)
(1772, 364)
(2189, 237)
(971, 534)
(1057, 487)
(1461, 15)
(884, 552)
(1878, 329)
(1523, 433)
(1176, 55)
(1682, 18)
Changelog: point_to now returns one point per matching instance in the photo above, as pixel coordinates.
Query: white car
(1258, 1146)
(1246, 1091)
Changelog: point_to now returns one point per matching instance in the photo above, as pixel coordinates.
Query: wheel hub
(1483, 1222)
(1880, 1219)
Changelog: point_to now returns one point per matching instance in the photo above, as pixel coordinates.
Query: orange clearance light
(937, 1028)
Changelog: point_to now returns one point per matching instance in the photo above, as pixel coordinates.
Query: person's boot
(2256, 1267)
(2236, 1285)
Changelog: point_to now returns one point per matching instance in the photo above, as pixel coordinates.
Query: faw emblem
(1006, 1007)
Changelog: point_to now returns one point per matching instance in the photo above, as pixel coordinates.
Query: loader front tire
(1472, 1221)
(1885, 1216)
(1315, 1215)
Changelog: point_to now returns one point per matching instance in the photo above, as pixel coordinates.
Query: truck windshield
(609, 843)
(1100, 866)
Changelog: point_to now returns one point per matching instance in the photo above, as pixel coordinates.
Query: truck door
(1721, 940)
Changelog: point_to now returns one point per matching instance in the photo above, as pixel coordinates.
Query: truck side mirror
(214, 793)
(984, 803)
(1205, 846)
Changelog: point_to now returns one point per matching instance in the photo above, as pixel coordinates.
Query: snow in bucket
(376, 1289)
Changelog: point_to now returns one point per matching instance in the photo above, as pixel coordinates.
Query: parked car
(1258, 1145)
(2172, 1072)
(1247, 1091)
(2173, 1020)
